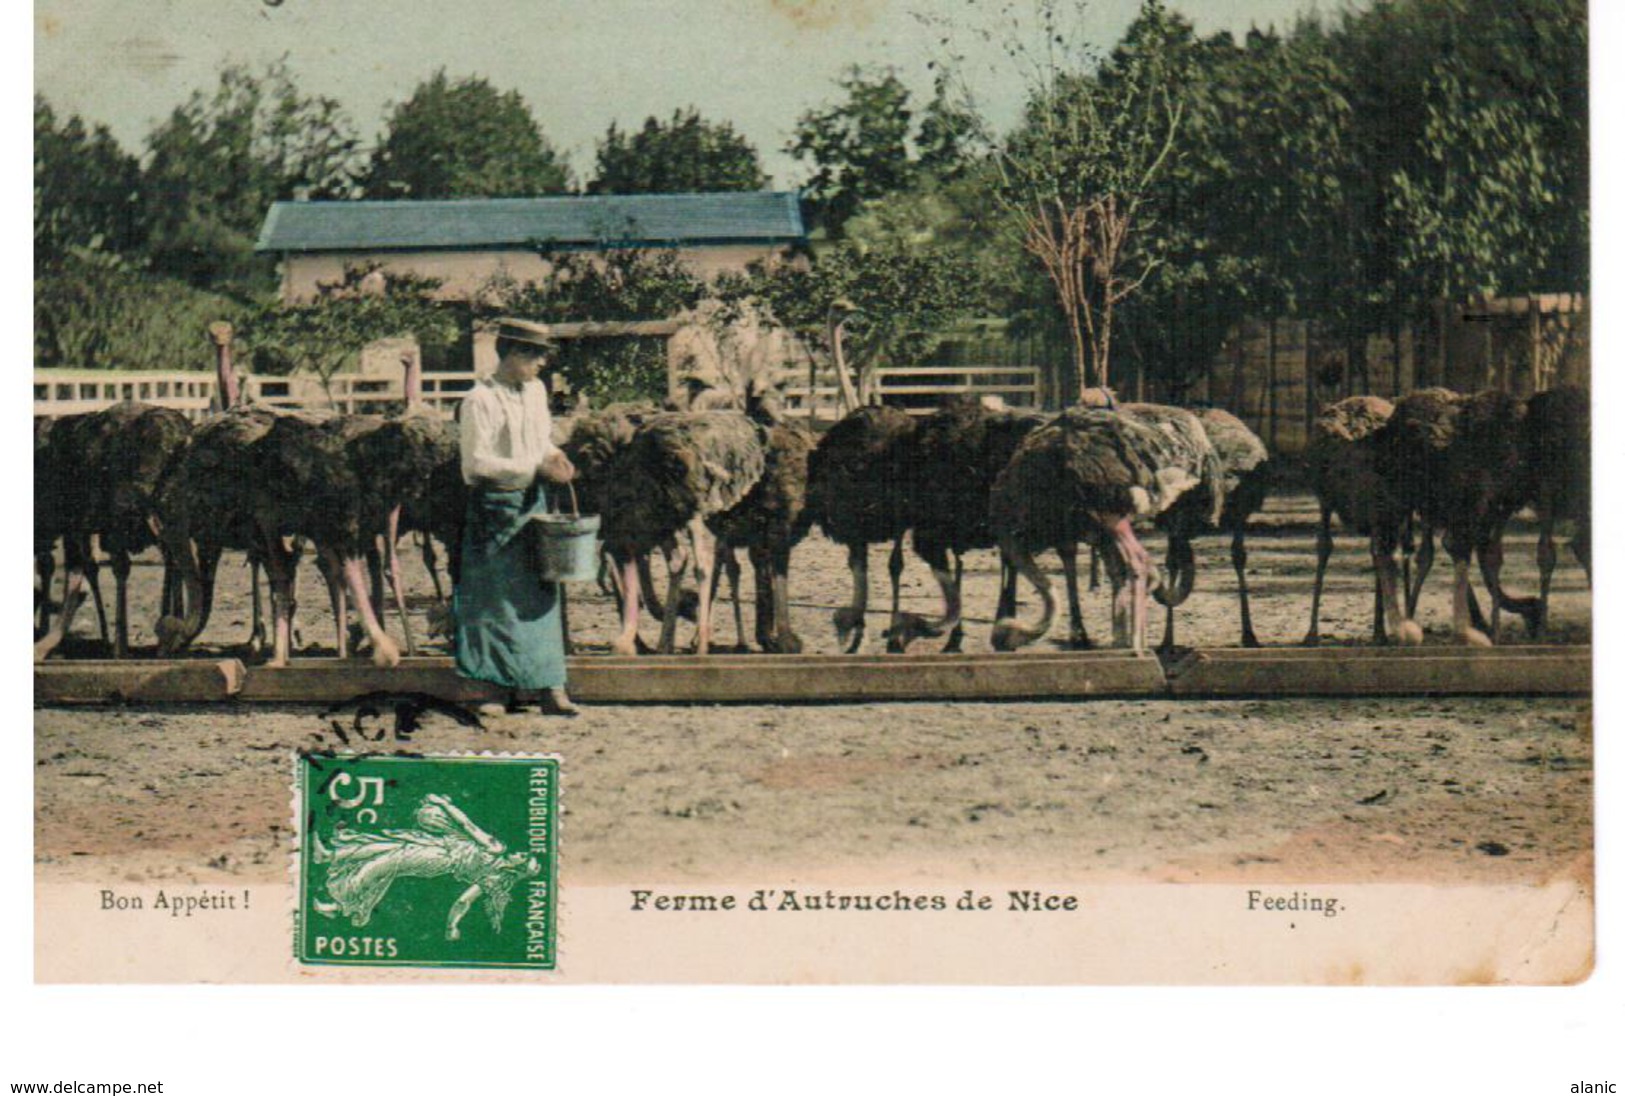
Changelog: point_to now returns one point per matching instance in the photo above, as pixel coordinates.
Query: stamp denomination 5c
(427, 861)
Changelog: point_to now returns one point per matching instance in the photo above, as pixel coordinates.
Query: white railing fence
(916, 389)
(62, 392)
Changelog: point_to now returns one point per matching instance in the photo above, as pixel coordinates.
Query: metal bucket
(566, 544)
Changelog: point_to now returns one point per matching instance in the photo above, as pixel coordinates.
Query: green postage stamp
(412, 861)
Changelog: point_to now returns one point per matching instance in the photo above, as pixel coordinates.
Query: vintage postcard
(782, 492)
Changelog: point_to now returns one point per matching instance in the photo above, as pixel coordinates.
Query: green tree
(1493, 189)
(326, 334)
(220, 160)
(87, 189)
(858, 149)
(686, 155)
(1252, 217)
(464, 139)
(96, 309)
(1078, 172)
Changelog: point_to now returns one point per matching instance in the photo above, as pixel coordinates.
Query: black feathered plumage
(858, 492)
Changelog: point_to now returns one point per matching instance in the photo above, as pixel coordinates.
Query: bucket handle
(575, 508)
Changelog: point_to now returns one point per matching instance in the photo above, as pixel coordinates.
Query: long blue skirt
(508, 620)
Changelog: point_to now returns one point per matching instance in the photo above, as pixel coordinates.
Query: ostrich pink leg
(280, 567)
(627, 642)
(1138, 560)
(705, 550)
(397, 589)
(385, 654)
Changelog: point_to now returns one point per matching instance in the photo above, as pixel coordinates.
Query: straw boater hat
(528, 332)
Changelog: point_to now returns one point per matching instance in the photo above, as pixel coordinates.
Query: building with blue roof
(466, 242)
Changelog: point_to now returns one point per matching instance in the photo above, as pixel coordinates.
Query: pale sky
(756, 63)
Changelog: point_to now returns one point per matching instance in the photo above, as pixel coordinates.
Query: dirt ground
(1372, 790)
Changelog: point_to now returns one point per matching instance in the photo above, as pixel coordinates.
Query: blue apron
(508, 620)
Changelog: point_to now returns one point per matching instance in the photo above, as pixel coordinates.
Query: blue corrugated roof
(647, 219)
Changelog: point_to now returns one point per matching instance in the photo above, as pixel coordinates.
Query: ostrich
(111, 464)
(595, 440)
(1558, 451)
(1348, 481)
(1458, 462)
(768, 522)
(1086, 476)
(1196, 510)
(401, 464)
(204, 505)
(1243, 463)
(772, 519)
(306, 484)
(48, 524)
(952, 460)
(858, 492)
(835, 328)
(58, 471)
(677, 470)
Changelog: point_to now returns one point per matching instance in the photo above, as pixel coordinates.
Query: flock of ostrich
(700, 483)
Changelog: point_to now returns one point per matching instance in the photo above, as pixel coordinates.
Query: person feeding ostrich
(509, 627)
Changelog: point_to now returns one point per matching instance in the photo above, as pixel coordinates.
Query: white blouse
(506, 432)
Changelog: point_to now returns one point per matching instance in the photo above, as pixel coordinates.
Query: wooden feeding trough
(801, 679)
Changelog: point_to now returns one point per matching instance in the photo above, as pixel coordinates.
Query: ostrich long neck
(225, 374)
(849, 396)
(413, 382)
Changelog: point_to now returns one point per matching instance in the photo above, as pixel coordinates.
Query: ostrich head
(841, 310)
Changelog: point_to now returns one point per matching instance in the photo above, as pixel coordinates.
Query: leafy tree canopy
(220, 160)
(857, 149)
(95, 309)
(909, 297)
(464, 139)
(327, 333)
(86, 188)
(686, 155)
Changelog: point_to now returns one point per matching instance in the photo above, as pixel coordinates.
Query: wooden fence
(919, 389)
(61, 392)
